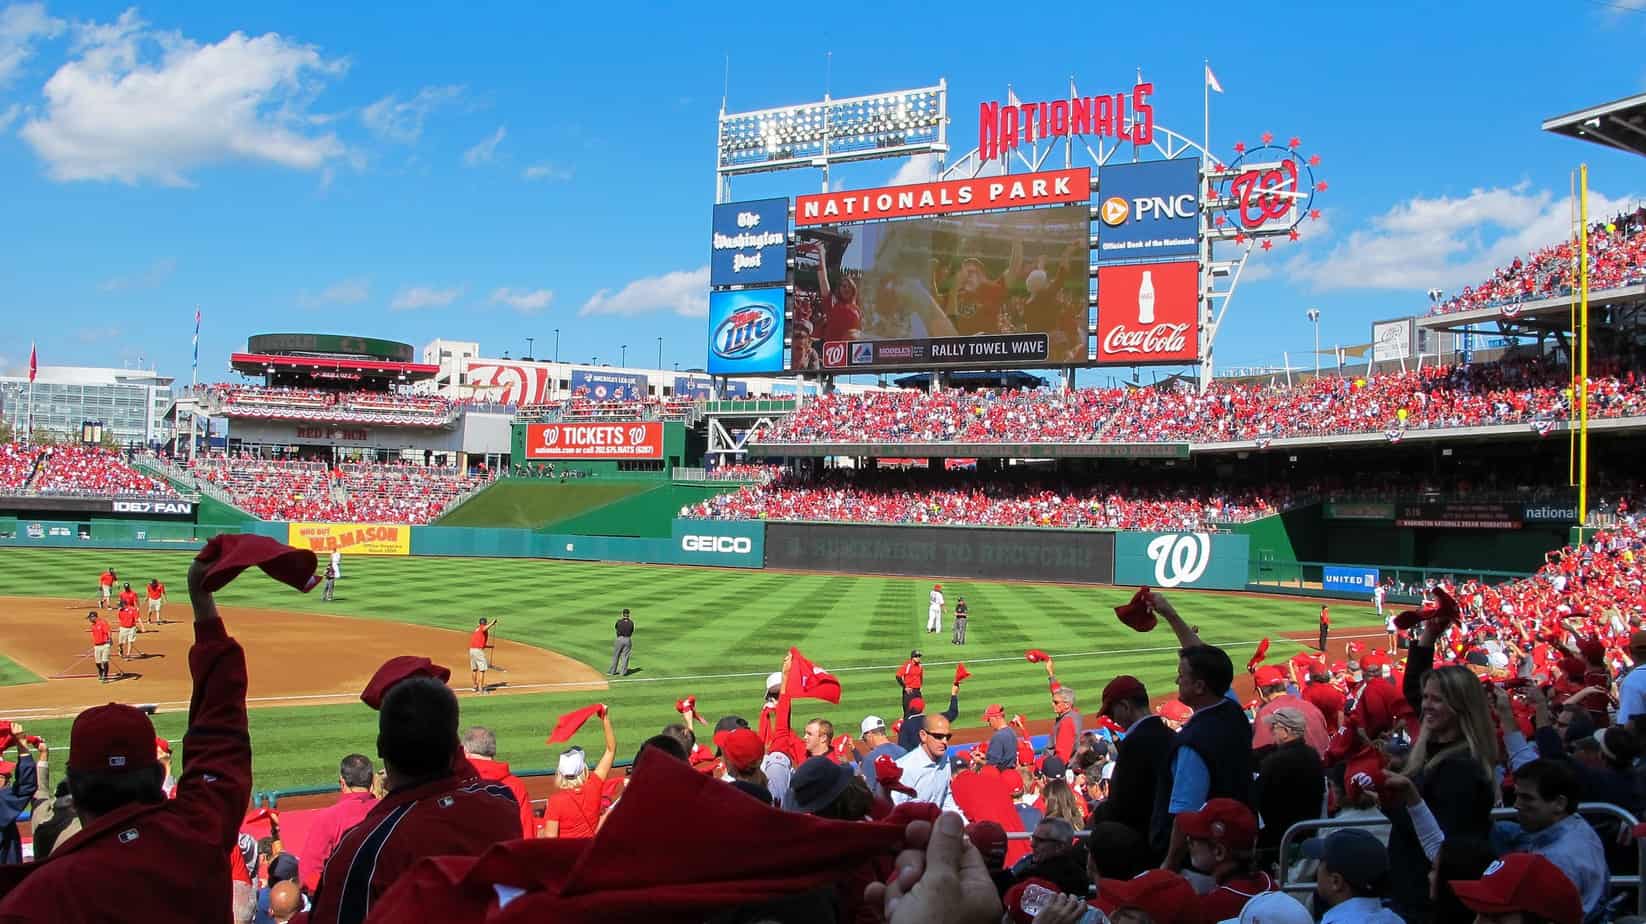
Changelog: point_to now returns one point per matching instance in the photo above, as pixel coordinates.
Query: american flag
(1544, 426)
(197, 339)
(1395, 434)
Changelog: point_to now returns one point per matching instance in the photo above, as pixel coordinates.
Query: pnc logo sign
(1180, 558)
(720, 545)
(1116, 210)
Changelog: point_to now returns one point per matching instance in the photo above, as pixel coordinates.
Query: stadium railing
(1587, 809)
(180, 475)
(1307, 575)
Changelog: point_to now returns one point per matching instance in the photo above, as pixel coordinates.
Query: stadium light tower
(901, 123)
(1313, 314)
(557, 344)
(623, 357)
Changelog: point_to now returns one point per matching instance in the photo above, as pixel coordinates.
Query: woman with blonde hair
(574, 808)
(1452, 766)
(1061, 803)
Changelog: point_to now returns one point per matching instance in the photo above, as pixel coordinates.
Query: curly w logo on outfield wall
(1180, 559)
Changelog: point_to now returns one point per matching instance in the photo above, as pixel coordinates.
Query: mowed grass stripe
(691, 623)
(12, 673)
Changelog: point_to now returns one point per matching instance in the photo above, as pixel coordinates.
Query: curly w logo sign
(1168, 560)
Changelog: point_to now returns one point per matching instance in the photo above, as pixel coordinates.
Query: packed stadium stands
(1617, 253)
(280, 489)
(366, 407)
(1516, 391)
(91, 471)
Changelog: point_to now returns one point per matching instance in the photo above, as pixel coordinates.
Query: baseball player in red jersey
(105, 587)
(100, 643)
(157, 599)
(128, 628)
(139, 855)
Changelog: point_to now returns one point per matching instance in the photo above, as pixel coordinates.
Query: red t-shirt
(577, 810)
(477, 638)
(106, 579)
(1226, 900)
(913, 674)
(1325, 616)
(156, 591)
(841, 319)
(128, 598)
(99, 632)
(128, 616)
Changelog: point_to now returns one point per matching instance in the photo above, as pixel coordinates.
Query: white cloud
(1446, 241)
(10, 115)
(544, 170)
(134, 103)
(684, 292)
(343, 292)
(525, 301)
(921, 168)
(412, 298)
(150, 277)
(21, 26)
(483, 152)
(402, 120)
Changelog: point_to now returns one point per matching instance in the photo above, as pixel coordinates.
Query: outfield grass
(11, 673)
(712, 633)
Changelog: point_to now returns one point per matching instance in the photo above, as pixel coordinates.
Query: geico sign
(739, 545)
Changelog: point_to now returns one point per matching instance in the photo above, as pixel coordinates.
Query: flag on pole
(34, 363)
(197, 337)
(1211, 80)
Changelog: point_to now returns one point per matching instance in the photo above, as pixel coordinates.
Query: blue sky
(495, 171)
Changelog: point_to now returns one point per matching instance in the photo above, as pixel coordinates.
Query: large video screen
(991, 289)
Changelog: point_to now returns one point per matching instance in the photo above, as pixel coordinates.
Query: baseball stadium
(973, 547)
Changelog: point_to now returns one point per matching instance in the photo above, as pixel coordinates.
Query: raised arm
(1187, 637)
(604, 768)
(215, 786)
(823, 271)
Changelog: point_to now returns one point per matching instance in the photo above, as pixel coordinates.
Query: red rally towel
(808, 681)
(1035, 656)
(231, 554)
(1258, 656)
(890, 776)
(572, 721)
(960, 672)
(1137, 613)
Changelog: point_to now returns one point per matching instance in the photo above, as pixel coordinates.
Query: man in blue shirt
(1546, 799)
(17, 788)
(874, 735)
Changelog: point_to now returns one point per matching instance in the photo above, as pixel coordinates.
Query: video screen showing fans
(999, 288)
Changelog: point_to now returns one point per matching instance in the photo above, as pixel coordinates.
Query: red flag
(1258, 656)
(807, 681)
(34, 363)
(572, 721)
(960, 672)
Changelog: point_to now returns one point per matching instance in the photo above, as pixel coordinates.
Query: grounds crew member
(139, 854)
(478, 640)
(100, 644)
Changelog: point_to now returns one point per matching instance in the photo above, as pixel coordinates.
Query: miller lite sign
(1148, 313)
(746, 331)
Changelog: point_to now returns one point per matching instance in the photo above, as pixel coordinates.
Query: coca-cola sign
(1148, 313)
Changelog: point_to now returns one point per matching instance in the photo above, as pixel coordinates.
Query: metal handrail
(1498, 814)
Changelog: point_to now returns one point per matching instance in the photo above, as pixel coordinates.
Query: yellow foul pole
(1583, 369)
(1572, 328)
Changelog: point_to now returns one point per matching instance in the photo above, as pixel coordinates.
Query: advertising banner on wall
(1148, 313)
(1391, 340)
(596, 385)
(746, 331)
(726, 543)
(1003, 289)
(1071, 556)
(350, 538)
(1348, 579)
(508, 381)
(692, 387)
(1149, 210)
(641, 440)
(1049, 187)
(750, 243)
(1211, 560)
(1458, 515)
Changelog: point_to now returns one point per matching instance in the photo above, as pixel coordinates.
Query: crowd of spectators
(349, 492)
(1517, 391)
(1617, 257)
(360, 406)
(71, 469)
(1035, 499)
(1162, 806)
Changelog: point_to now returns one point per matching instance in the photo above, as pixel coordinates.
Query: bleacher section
(358, 407)
(273, 489)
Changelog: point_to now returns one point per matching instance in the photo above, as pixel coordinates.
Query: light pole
(660, 353)
(623, 357)
(557, 344)
(1313, 314)
(529, 342)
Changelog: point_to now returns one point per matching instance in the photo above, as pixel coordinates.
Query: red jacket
(171, 858)
(495, 771)
(457, 815)
(327, 829)
(912, 674)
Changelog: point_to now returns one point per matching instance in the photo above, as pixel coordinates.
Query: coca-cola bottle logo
(1160, 338)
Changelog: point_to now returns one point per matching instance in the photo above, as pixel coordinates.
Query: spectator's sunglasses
(941, 736)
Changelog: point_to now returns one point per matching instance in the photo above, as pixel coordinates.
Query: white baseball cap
(872, 723)
(1272, 908)
(572, 763)
(774, 680)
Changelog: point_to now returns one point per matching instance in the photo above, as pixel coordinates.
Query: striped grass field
(708, 632)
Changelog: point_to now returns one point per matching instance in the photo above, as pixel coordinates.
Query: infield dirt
(291, 658)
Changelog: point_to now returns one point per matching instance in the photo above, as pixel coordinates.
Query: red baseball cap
(115, 737)
(987, 836)
(1123, 687)
(1166, 896)
(995, 711)
(1522, 882)
(741, 748)
(1227, 821)
(1269, 675)
(162, 744)
(397, 669)
(6, 767)
(1361, 781)
(917, 704)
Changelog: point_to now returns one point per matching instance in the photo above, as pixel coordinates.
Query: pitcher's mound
(291, 658)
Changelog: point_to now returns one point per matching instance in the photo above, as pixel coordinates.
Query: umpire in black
(621, 645)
